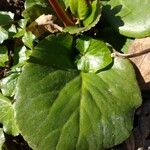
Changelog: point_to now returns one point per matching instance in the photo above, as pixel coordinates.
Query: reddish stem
(61, 13)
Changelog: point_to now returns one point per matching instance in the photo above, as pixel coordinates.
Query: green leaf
(28, 39)
(80, 8)
(104, 2)
(95, 13)
(8, 84)
(59, 107)
(22, 23)
(128, 17)
(11, 30)
(7, 32)
(3, 35)
(35, 8)
(3, 56)
(2, 138)
(7, 116)
(73, 5)
(127, 45)
(22, 28)
(57, 48)
(20, 33)
(84, 9)
(112, 37)
(6, 17)
(7, 29)
(90, 21)
(30, 3)
(21, 55)
(95, 55)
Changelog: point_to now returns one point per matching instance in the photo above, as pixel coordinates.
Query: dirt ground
(140, 137)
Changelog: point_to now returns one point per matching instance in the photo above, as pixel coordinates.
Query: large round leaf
(60, 108)
(131, 18)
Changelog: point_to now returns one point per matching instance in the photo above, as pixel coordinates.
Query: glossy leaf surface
(90, 21)
(61, 108)
(95, 55)
(132, 19)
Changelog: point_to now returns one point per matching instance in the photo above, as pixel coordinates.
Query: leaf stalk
(117, 54)
(62, 15)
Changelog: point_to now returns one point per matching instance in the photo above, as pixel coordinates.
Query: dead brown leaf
(44, 23)
(142, 62)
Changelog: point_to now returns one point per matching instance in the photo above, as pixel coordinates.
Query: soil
(15, 6)
(139, 138)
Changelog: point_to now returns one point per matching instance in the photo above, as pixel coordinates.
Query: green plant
(65, 90)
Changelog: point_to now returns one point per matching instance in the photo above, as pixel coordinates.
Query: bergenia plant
(62, 86)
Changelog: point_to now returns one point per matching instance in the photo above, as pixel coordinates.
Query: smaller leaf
(21, 55)
(30, 3)
(22, 23)
(12, 30)
(22, 28)
(6, 29)
(88, 22)
(73, 5)
(2, 138)
(3, 56)
(6, 17)
(7, 32)
(20, 33)
(34, 10)
(3, 35)
(83, 9)
(95, 55)
(94, 13)
(80, 8)
(7, 116)
(8, 84)
(28, 39)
